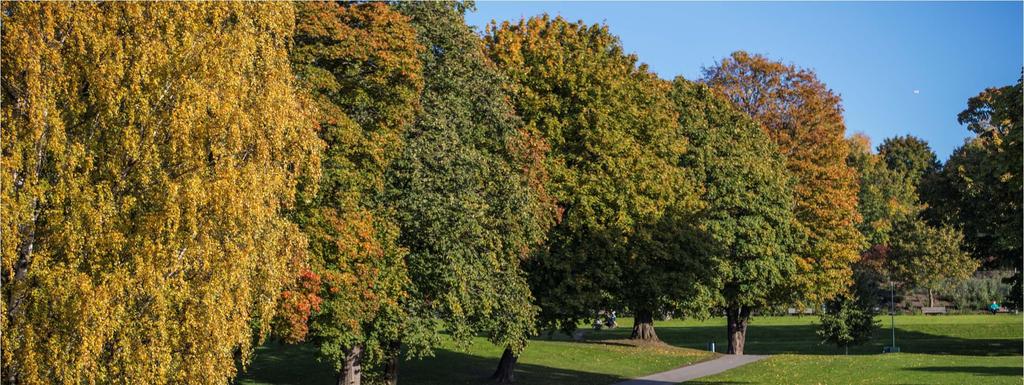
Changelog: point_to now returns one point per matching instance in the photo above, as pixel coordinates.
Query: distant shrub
(977, 292)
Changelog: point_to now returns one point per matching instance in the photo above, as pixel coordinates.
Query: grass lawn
(954, 349)
(900, 368)
(974, 335)
(543, 362)
(951, 349)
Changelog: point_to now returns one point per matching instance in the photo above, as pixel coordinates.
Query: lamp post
(892, 317)
(892, 312)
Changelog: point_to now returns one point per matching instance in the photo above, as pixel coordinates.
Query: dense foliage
(469, 196)
(359, 65)
(805, 120)
(613, 144)
(910, 156)
(182, 179)
(747, 219)
(149, 152)
(848, 320)
(903, 246)
(928, 257)
(977, 292)
(979, 188)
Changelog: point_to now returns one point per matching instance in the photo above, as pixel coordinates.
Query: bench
(933, 310)
(794, 311)
(578, 335)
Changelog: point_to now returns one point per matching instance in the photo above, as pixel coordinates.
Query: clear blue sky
(873, 54)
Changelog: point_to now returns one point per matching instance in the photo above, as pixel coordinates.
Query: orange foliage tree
(805, 119)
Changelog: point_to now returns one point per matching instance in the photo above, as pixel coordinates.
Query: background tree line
(183, 181)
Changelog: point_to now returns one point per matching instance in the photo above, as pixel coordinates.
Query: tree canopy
(380, 179)
(804, 119)
(903, 246)
(979, 187)
(613, 144)
(359, 66)
(467, 205)
(747, 219)
(152, 151)
(910, 156)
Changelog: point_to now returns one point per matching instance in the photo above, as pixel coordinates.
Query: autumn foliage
(181, 181)
(805, 120)
(149, 153)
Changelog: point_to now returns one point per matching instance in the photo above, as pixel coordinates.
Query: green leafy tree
(149, 153)
(467, 198)
(359, 65)
(904, 247)
(886, 197)
(910, 156)
(980, 187)
(804, 118)
(929, 257)
(748, 219)
(612, 159)
(848, 320)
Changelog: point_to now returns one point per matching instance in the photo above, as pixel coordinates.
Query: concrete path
(694, 371)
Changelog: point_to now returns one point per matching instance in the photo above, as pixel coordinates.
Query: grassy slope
(976, 349)
(938, 349)
(543, 362)
(952, 334)
(901, 368)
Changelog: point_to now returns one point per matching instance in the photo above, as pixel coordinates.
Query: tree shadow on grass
(1007, 371)
(456, 368)
(280, 364)
(802, 339)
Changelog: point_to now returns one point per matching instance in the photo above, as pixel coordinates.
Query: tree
(980, 187)
(359, 65)
(904, 247)
(748, 217)
(910, 156)
(848, 320)
(887, 196)
(466, 196)
(929, 257)
(151, 151)
(613, 146)
(804, 119)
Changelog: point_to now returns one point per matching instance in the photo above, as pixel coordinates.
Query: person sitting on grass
(994, 307)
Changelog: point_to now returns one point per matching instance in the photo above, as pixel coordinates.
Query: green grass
(543, 362)
(973, 335)
(900, 368)
(951, 349)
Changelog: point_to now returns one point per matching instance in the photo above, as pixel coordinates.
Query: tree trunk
(931, 298)
(352, 369)
(391, 363)
(737, 318)
(643, 326)
(506, 366)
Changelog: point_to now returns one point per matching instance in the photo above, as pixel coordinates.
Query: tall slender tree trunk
(28, 234)
(505, 373)
(931, 298)
(737, 317)
(391, 362)
(643, 326)
(352, 369)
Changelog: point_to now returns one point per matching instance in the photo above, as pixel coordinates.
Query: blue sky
(873, 54)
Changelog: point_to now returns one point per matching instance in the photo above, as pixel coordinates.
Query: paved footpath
(694, 371)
